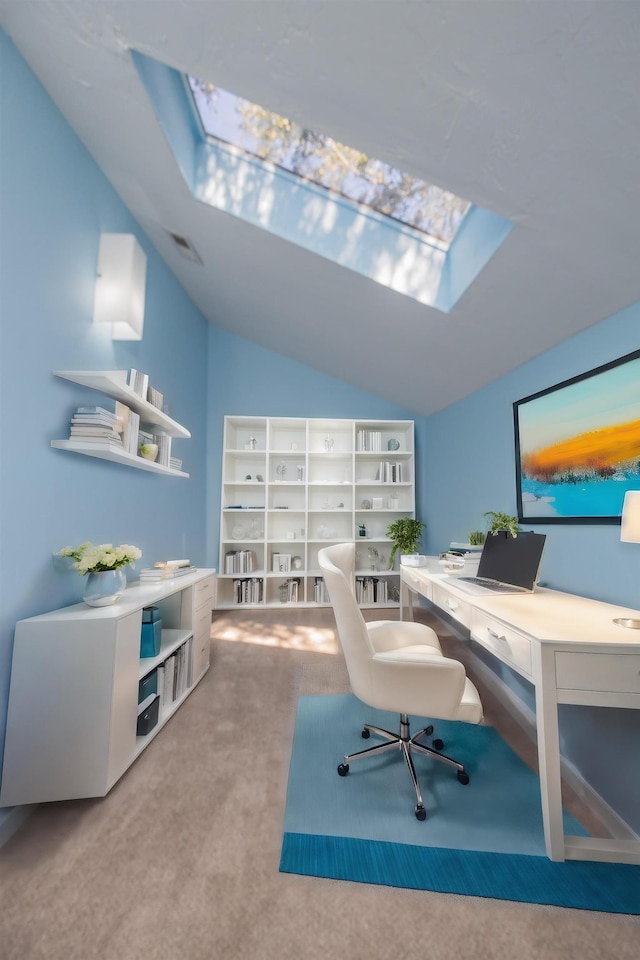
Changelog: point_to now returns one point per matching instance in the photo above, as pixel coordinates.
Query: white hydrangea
(95, 559)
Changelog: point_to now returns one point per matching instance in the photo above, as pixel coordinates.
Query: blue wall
(468, 467)
(248, 380)
(54, 204)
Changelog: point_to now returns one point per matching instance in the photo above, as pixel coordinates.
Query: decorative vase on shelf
(104, 588)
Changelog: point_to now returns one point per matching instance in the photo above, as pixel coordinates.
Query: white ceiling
(531, 109)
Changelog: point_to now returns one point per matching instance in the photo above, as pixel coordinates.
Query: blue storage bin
(151, 632)
(148, 685)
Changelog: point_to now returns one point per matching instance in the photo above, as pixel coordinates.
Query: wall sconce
(630, 533)
(120, 285)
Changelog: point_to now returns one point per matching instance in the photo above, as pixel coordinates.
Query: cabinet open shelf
(112, 451)
(113, 383)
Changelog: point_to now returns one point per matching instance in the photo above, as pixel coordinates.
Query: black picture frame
(577, 446)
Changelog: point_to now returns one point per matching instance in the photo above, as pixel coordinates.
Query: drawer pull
(496, 636)
(452, 604)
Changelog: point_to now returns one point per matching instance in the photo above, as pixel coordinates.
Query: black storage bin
(148, 718)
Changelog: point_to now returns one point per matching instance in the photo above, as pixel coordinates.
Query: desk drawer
(417, 583)
(200, 656)
(459, 609)
(202, 623)
(605, 672)
(505, 642)
(204, 593)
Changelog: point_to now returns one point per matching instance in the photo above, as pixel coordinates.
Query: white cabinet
(113, 384)
(291, 486)
(75, 688)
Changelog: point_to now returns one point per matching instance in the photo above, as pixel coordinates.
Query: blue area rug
(484, 839)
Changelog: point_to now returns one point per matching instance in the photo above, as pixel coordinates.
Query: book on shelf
(138, 382)
(79, 420)
(89, 432)
(155, 397)
(175, 463)
(157, 574)
(102, 411)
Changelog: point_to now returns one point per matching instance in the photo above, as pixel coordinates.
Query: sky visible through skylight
(320, 159)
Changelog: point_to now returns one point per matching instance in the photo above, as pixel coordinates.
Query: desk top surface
(546, 615)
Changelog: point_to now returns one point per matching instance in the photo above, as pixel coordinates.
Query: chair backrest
(338, 564)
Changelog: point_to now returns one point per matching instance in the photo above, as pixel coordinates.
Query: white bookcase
(112, 383)
(291, 486)
(74, 694)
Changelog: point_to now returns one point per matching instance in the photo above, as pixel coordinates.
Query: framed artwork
(578, 446)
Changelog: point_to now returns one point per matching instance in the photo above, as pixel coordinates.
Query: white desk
(571, 651)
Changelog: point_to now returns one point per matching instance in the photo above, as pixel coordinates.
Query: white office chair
(399, 666)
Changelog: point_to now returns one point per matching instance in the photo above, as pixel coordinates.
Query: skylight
(317, 158)
(306, 189)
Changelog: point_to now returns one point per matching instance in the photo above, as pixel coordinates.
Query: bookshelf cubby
(293, 485)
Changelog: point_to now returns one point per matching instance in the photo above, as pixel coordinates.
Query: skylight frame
(364, 208)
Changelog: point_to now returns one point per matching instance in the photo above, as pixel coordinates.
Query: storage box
(148, 718)
(150, 614)
(151, 634)
(148, 685)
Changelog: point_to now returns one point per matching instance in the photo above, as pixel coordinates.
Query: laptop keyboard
(492, 586)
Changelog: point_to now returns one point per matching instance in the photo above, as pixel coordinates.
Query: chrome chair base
(407, 744)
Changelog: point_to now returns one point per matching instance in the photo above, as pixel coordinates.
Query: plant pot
(105, 587)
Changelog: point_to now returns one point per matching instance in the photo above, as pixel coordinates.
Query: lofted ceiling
(530, 109)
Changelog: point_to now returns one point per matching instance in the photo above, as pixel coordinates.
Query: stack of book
(175, 463)
(97, 424)
(166, 570)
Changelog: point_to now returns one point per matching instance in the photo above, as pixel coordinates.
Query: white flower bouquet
(90, 559)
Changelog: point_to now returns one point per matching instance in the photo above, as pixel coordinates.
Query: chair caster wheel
(366, 734)
(463, 777)
(343, 769)
(438, 744)
(428, 730)
(421, 813)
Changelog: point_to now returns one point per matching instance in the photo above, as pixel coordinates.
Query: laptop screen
(513, 560)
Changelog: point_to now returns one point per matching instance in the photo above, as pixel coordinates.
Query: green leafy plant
(405, 533)
(477, 537)
(502, 521)
(90, 559)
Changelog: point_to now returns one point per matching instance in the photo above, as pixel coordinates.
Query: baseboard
(526, 719)
(12, 818)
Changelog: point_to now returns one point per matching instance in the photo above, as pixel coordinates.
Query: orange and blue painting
(578, 446)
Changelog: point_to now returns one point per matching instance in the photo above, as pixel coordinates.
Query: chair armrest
(395, 634)
(418, 682)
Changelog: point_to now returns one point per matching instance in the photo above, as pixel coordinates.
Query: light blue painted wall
(248, 380)
(467, 466)
(54, 203)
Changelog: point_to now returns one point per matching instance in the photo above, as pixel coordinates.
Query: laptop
(507, 564)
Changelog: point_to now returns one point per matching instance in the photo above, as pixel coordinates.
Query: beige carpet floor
(180, 860)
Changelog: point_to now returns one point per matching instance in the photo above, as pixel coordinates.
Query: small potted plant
(405, 533)
(502, 521)
(477, 538)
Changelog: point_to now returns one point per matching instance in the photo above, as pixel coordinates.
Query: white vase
(104, 588)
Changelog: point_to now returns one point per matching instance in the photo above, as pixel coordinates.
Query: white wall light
(630, 533)
(120, 285)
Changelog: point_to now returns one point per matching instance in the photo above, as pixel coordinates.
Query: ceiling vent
(185, 248)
